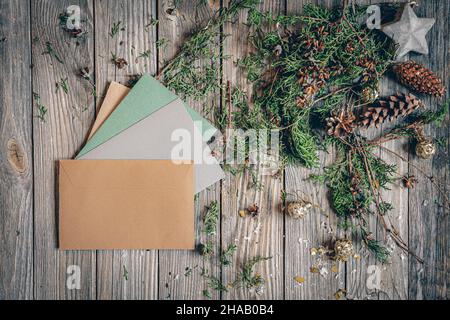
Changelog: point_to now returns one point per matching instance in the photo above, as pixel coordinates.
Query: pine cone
(340, 124)
(419, 78)
(389, 108)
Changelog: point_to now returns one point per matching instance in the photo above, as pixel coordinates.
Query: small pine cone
(341, 123)
(389, 108)
(419, 78)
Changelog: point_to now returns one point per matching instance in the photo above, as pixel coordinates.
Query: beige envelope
(126, 204)
(114, 96)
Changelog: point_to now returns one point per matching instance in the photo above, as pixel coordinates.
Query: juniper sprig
(186, 74)
(247, 277)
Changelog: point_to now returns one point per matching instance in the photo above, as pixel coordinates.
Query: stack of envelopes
(132, 186)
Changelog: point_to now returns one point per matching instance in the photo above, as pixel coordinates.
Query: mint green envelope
(147, 96)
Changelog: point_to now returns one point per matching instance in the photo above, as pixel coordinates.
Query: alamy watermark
(73, 281)
(236, 146)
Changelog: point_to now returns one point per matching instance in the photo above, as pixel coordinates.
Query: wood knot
(16, 156)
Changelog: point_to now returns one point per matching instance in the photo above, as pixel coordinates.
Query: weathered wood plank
(363, 274)
(16, 155)
(428, 219)
(125, 274)
(394, 277)
(180, 271)
(316, 229)
(58, 137)
(70, 116)
(261, 235)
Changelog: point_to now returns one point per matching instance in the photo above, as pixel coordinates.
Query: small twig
(229, 103)
(393, 233)
(353, 29)
(420, 171)
(167, 66)
(331, 94)
(392, 135)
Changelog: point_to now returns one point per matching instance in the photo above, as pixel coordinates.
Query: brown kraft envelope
(125, 204)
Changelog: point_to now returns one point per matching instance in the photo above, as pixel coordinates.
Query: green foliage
(211, 218)
(351, 182)
(125, 273)
(64, 85)
(195, 71)
(42, 109)
(248, 278)
(381, 253)
(227, 254)
(416, 121)
(207, 294)
(428, 116)
(213, 283)
(51, 52)
(116, 27)
(145, 54)
(300, 76)
(207, 249)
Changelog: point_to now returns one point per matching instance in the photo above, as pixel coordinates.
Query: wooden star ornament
(409, 32)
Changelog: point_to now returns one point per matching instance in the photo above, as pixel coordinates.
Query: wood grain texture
(318, 228)
(31, 266)
(125, 274)
(254, 236)
(180, 272)
(57, 137)
(428, 218)
(394, 278)
(16, 157)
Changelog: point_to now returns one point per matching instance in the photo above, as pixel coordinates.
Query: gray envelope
(152, 138)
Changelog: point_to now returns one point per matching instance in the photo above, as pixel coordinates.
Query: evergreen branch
(225, 258)
(181, 73)
(211, 218)
(51, 52)
(247, 278)
(116, 27)
(42, 109)
(64, 85)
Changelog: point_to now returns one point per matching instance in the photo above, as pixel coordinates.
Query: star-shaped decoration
(409, 32)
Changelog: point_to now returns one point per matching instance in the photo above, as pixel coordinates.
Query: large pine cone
(389, 108)
(419, 78)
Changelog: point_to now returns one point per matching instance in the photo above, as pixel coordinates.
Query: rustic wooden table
(31, 267)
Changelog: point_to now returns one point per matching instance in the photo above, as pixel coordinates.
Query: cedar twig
(377, 196)
(331, 94)
(446, 199)
(394, 134)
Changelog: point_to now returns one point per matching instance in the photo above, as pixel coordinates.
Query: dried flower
(119, 62)
(253, 210)
(409, 181)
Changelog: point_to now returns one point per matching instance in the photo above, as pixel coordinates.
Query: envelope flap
(125, 174)
(147, 96)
